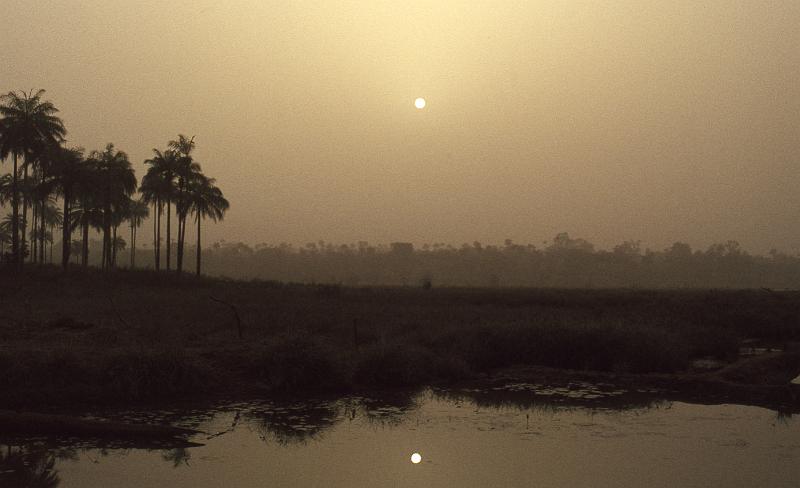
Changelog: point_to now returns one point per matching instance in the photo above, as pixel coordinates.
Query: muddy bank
(765, 380)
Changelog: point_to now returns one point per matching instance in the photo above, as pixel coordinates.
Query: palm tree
(42, 194)
(137, 212)
(28, 125)
(48, 216)
(116, 183)
(69, 170)
(164, 167)
(152, 189)
(205, 200)
(87, 211)
(119, 214)
(186, 168)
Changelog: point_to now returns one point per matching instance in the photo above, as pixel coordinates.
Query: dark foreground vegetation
(96, 336)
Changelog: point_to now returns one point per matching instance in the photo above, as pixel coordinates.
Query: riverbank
(95, 338)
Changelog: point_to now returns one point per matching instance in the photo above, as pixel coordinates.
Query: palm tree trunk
(15, 216)
(181, 242)
(132, 244)
(24, 208)
(106, 231)
(155, 236)
(133, 249)
(33, 236)
(183, 237)
(114, 248)
(179, 250)
(65, 234)
(43, 228)
(108, 243)
(52, 241)
(158, 235)
(85, 242)
(199, 251)
(169, 244)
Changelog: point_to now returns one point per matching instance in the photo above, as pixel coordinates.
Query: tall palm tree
(205, 200)
(137, 212)
(47, 216)
(119, 214)
(87, 212)
(116, 183)
(28, 125)
(187, 167)
(152, 189)
(163, 168)
(42, 194)
(69, 170)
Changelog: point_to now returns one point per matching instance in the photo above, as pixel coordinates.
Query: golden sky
(634, 119)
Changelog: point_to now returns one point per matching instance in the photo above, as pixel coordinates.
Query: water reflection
(544, 397)
(30, 466)
(297, 422)
(178, 457)
(468, 437)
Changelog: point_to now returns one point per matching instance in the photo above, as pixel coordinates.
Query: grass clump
(142, 375)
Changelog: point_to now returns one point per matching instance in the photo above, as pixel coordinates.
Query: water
(520, 435)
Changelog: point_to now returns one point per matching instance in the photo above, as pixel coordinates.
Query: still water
(520, 435)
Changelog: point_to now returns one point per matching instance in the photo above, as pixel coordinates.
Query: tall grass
(139, 335)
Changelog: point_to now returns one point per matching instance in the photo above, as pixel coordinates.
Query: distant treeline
(566, 262)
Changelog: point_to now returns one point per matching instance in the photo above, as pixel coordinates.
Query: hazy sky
(653, 120)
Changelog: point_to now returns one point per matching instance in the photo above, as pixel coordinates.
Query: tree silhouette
(205, 200)
(186, 168)
(69, 170)
(151, 189)
(137, 212)
(159, 184)
(116, 182)
(28, 125)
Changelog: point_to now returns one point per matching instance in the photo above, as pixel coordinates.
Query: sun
(420, 103)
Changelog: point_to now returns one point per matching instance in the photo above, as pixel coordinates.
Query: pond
(519, 435)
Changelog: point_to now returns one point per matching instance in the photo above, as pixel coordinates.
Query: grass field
(126, 336)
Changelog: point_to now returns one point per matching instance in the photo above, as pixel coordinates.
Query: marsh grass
(138, 335)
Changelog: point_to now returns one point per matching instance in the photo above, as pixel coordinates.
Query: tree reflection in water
(296, 422)
(30, 466)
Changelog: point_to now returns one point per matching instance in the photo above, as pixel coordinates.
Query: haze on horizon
(646, 120)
